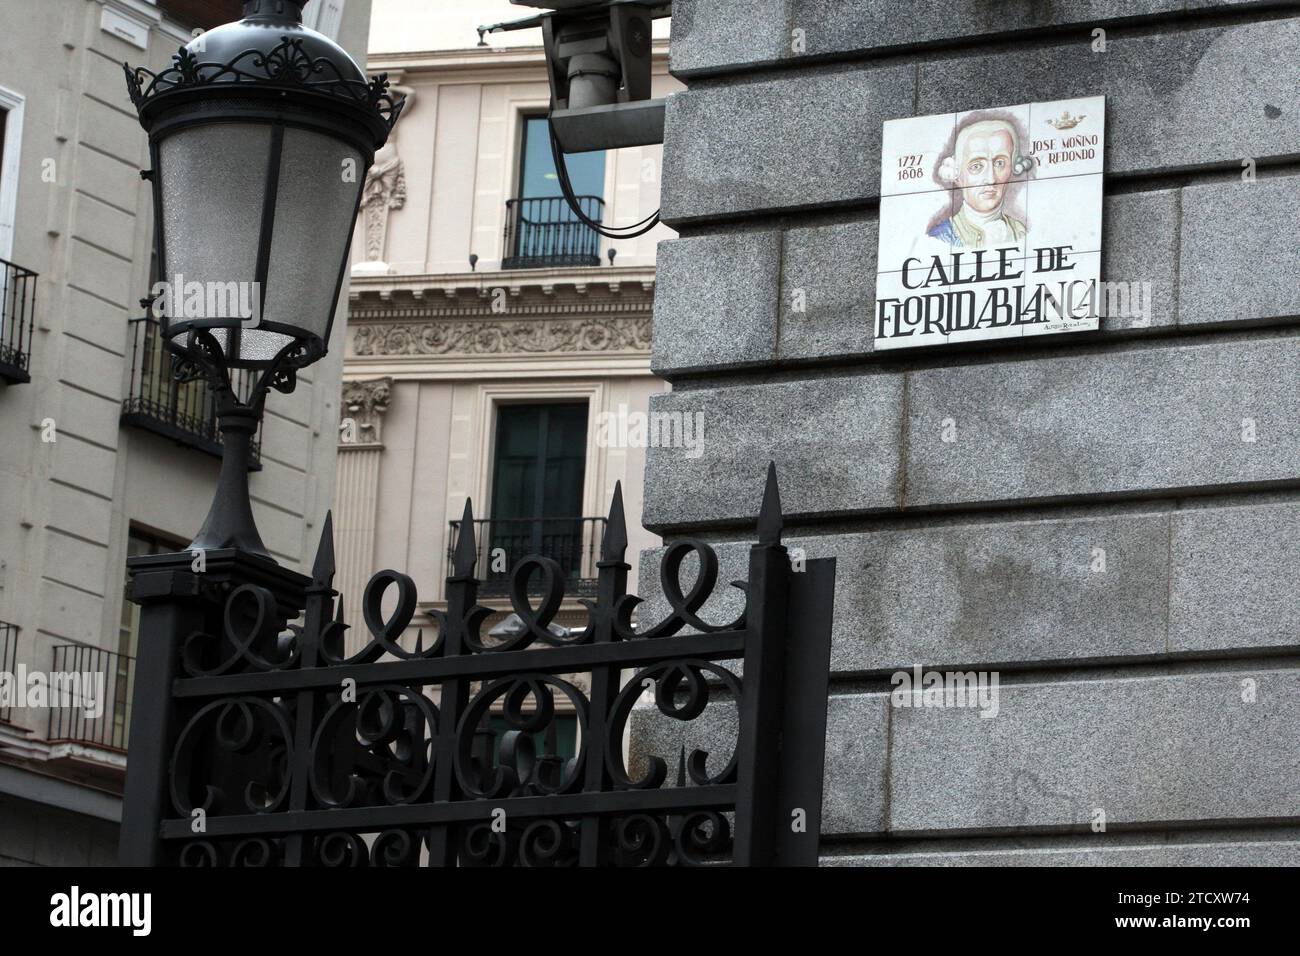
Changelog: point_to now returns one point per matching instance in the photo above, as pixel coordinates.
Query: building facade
(1106, 520)
(102, 456)
(497, 348)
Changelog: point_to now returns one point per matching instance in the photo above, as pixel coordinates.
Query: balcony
(574, 543)
(185, 412)
(17, 315)
(545, 233)
(92, 713)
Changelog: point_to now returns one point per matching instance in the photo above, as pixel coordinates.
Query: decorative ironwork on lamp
(260, 136)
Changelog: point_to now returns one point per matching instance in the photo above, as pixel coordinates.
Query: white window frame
(472, 447)
(10, 164)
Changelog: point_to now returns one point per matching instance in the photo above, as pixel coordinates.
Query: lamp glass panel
(256, 346)
(213, 184)
(320, 180)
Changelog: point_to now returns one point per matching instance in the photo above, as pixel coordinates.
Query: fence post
(171, 607)
(177, 600)
(782, 742)
(320, 611)
(462, 612)
(807, 649)
(611, 587)
(762, 682)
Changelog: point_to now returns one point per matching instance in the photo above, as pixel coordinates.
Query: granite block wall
(1108, 521)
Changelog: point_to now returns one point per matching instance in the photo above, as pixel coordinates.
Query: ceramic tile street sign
(990, 224)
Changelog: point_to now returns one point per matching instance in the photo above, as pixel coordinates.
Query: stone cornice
(477, 368)
(502, 296)
(589, 277)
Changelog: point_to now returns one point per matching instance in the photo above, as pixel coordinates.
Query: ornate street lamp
(260, 136)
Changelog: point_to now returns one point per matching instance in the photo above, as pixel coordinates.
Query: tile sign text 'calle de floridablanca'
(990, 224)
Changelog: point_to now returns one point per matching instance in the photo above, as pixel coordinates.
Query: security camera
(598, 57)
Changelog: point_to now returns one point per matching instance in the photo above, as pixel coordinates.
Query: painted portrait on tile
(990, 223)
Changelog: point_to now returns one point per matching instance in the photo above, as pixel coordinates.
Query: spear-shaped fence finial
(769, 516)
(614, 545)
(466, 547)
(322, 571)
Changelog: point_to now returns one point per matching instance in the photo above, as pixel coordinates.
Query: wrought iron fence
(185, 412)
(91, 703)
(17, 316)
(545, 233)
(8, 664)
(253, 745)
(502, 542)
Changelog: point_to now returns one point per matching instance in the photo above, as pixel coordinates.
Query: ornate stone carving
(364, 404)
(385, 190)
(603, 334)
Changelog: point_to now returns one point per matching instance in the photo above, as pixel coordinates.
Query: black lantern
(260, 136)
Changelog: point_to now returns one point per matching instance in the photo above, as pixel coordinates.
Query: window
(17, 283)
(11, 131)
(542, 230)
(537, 477)
(120, 667)
(4, 121)
(537, 175)
(140, 542)
(541, 453)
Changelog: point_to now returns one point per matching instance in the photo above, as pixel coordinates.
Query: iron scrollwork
(287, 64)
(377, 749)
(449, 752)
(234, 745)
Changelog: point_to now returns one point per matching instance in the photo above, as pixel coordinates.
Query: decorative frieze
(590, 334)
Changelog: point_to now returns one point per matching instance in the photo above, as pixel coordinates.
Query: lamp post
(260, 136)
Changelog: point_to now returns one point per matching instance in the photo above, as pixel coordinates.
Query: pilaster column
(356, 495)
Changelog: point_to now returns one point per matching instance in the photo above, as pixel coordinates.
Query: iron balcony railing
(17, 315)
(95, 705)
(185, 412)
(545, 233)
(570, 542)
(8, 665)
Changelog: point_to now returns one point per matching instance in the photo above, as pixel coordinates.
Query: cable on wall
(562, 172)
